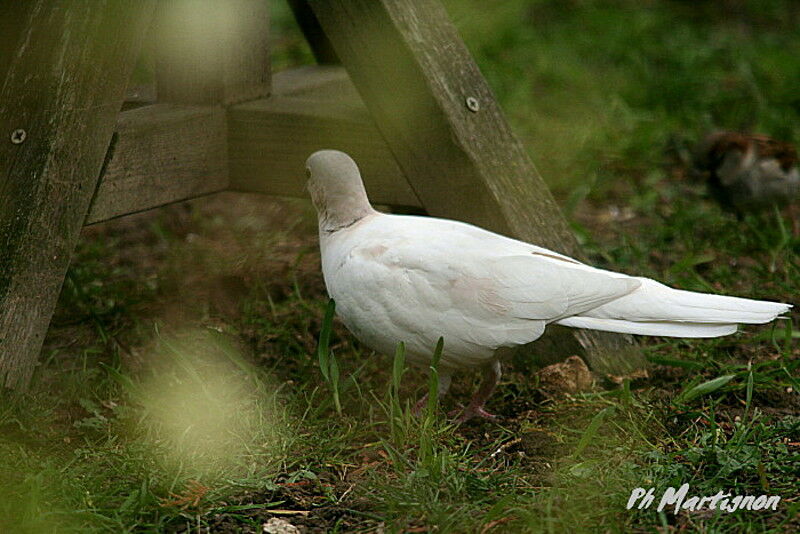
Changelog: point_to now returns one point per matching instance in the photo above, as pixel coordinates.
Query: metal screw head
(18, 136)
(472, 104)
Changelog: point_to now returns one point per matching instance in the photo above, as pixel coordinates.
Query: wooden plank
(447, 132)
(210, 51)
(164, 153)
(60, 96)
(325, 82)
(269, 141)
(11, 30)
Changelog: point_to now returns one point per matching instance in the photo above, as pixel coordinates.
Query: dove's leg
(491, 376)
(444, 384)
(793, 216)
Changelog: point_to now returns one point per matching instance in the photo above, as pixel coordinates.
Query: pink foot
(473, 411)
(420, 406)
(457, 411)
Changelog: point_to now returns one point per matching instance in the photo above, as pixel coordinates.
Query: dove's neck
(341, 207)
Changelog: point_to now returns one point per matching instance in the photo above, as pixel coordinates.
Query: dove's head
(336, 189)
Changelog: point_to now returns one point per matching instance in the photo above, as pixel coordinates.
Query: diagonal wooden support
(317, 40)
(60, 97)
(447, 132)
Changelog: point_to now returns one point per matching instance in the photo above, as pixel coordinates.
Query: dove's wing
(539, 287)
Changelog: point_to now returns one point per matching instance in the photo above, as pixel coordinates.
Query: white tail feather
(650, 328)
(655, 302)
(658, 310)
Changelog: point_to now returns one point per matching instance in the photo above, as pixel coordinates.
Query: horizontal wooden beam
(163, 153)
(167, 153)
(312, 108)
(269, 141)
(317, 81)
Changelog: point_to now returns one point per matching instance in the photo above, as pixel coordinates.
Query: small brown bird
(748, 173)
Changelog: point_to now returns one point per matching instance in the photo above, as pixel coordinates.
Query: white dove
(413, 279)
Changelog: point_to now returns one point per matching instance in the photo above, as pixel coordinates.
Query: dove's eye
(308, 173)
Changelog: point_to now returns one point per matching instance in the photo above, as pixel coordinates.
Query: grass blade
(398, 368)
(433, 381)
(396, 421)
(703, 388)
(749, 392)
(334, 374)
(323, 352)
(591, 430)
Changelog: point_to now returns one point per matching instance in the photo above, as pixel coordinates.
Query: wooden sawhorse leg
(67, 67)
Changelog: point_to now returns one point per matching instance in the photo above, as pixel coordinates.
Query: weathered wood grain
(312, 108)
(269, 141)
(63, 88)
(323, 82)
(447, 132)
(167, 153)
(211, 51)
(11, 31)
(164, 153)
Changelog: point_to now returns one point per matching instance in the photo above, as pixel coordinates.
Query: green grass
(190, 378)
